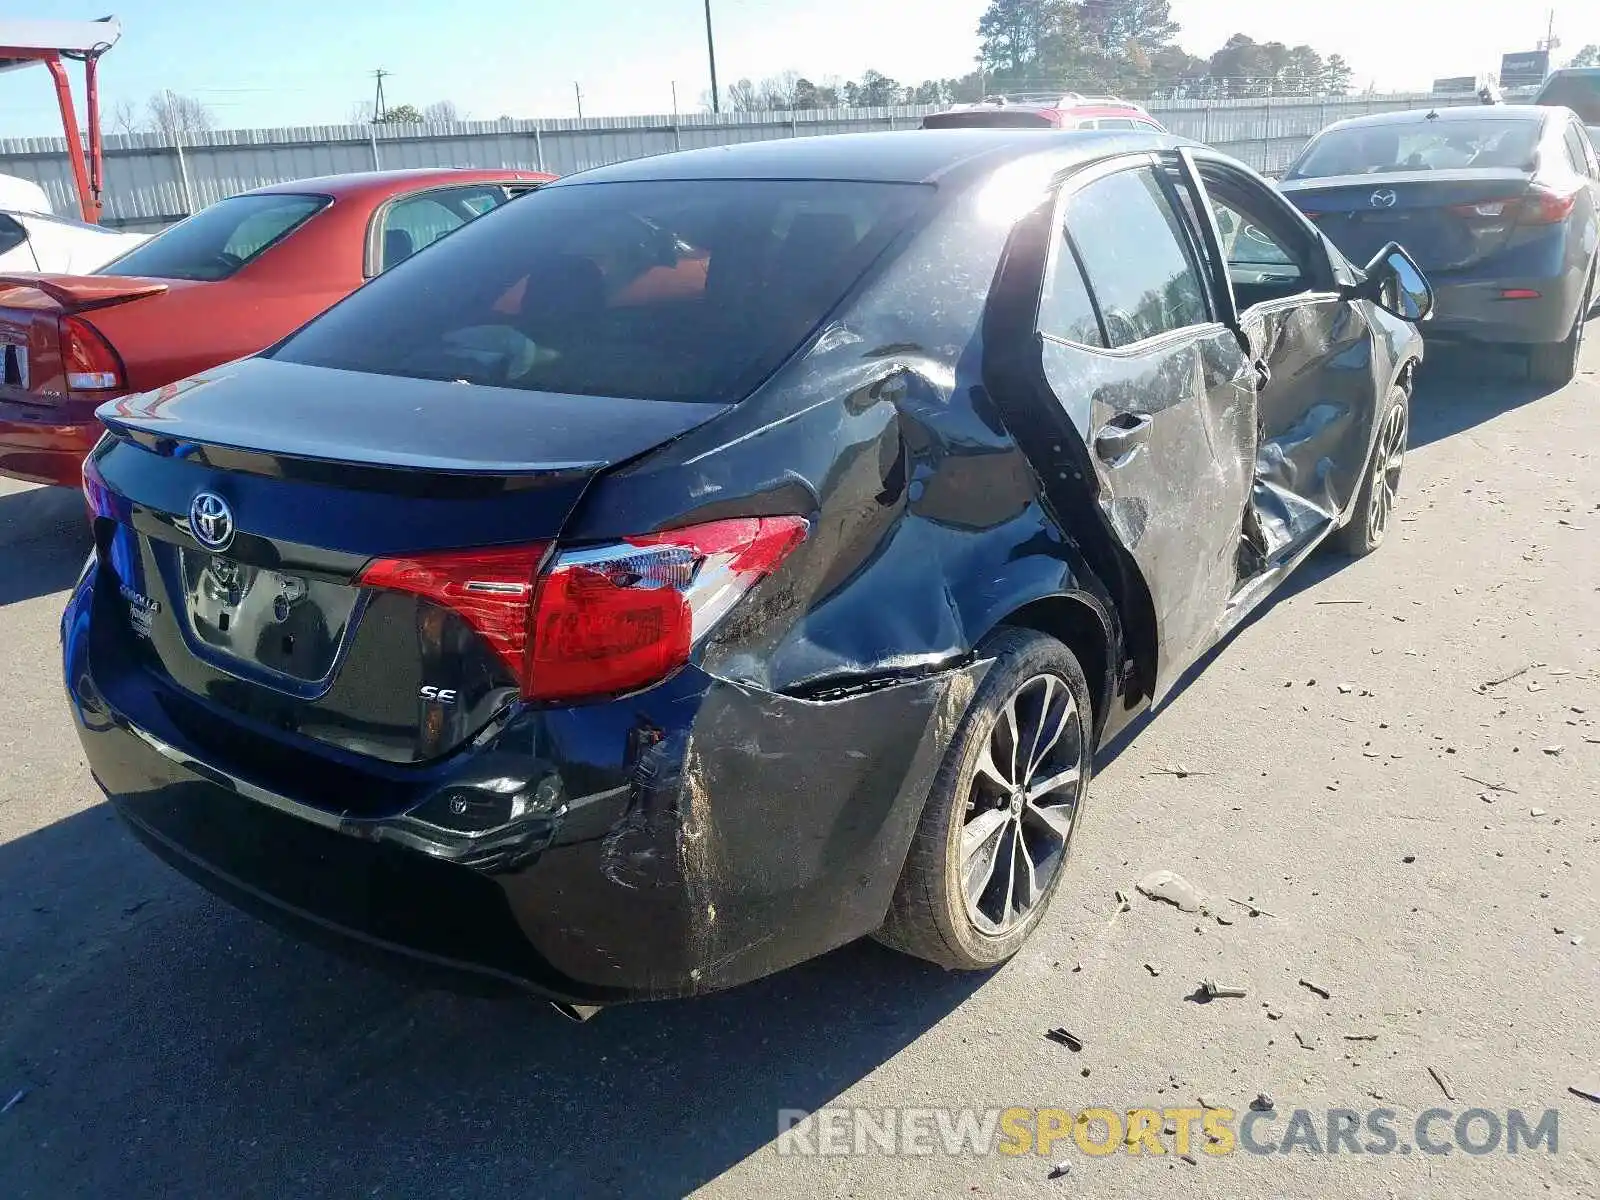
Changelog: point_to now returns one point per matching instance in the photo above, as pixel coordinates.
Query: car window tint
(660, 289)
(1132, 248)
(1116, 123)
(1441, 145)
(411, 224)
(217, 241)
(12, 234)
(1580, 93)
(1065, 309)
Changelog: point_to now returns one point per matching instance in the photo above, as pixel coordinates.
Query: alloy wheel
(1388, 460)
(1022, 804)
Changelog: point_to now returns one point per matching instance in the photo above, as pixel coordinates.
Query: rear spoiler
(77, 293)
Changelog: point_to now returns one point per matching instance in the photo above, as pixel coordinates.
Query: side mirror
(1397, 285)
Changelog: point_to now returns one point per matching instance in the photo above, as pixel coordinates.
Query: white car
(34, 239)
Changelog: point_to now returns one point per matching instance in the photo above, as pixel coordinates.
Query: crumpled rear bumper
(707, 833)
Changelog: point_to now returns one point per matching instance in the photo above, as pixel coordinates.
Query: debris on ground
(1190, 1159)
(1360, 1037)
(1153, 969)
(1221, 991)
(1443, 1081)
(1493, 787)
(1174, 889)
(1588, 1088)
(1178, 772)
(1536, 812)
(1553, 751)
(1306, 1043)
(1253, 908)
(1061, 1168)
(1063, 1038)
(1206, 1102)
(1262, 1103)
(1274, 1015)
(1517, 674)
(1222, 920)
(1317, 988)
(15, 1100)
(1409, 859)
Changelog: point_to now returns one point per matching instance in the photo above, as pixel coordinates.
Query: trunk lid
(1430, 213)
(32, 309)
(322, 472)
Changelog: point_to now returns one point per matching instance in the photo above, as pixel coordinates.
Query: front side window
(217, 241)
(690, 290)
(1133, 253)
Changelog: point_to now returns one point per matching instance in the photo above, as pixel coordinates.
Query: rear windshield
(1580, 93)
(217, 241)
(662, 289)
(988, 120)
(1441, 145)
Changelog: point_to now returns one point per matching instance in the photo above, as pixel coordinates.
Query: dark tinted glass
(1132, 248)
(217, 241)
(987, 120)
(1580, 93)
(671, 290)
(12, 234)
(1423, 145)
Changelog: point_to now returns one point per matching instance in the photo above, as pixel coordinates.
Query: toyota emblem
(1384, 198)
(211, 521)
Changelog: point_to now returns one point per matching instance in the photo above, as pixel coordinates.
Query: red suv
(1046, 111)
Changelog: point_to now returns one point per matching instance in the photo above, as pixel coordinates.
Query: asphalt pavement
(1420, 846)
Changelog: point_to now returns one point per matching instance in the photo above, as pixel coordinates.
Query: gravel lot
(167, 1046)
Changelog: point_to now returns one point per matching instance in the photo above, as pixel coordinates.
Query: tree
(876, 90)
(1016, 37)
(1125, 28)
(1336, 76)
(442, 112)
(125, 118)
(779, 93)
(171, 114)
(1304, 72)
(808, 95)
(1589, 56)
(400, 114)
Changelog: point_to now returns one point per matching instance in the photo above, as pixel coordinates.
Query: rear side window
(998, 119)
(417, 221)
(1116, 123)
(217, 241)
(1133, 251)
(1065, 311)
(661, 289)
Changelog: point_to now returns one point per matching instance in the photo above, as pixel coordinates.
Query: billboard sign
(1524, 70)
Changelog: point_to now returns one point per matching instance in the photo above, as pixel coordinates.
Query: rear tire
(1555, 364)
(995, 836)
(1374, 508)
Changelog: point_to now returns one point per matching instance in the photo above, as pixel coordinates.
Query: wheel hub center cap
(1017, 800)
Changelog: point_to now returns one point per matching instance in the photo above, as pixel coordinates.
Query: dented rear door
(1161, 393)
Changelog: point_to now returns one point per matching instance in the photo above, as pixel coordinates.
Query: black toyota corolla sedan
(1499, 205)
(711, 559)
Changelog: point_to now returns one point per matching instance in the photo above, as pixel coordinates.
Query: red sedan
(229, 281)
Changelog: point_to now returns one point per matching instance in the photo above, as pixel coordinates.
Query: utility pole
(377, 100)
(578, 92)
(711, 53)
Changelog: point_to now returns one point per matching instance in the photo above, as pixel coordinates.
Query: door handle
(1121, 436)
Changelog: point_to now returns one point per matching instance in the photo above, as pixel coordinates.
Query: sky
(299, 62)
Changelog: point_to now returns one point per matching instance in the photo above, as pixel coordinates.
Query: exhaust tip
(575, 1012)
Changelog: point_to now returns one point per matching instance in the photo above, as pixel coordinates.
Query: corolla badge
(211, 521)
(1384, 198)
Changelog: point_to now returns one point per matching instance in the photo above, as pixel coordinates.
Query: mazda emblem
(211, 521)
(1384, 198)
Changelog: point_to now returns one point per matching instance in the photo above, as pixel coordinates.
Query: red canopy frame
(52, 43)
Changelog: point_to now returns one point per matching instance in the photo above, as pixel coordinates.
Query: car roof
(360, 183)
(905, 156)
(1464, 112)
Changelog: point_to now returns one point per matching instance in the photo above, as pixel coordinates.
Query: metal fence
(151, 181)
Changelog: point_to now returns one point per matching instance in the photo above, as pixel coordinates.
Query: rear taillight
(1536, 206)
(1541, 207)
(602, 620)
(620, 617)
(89, 362)
(491, 590)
